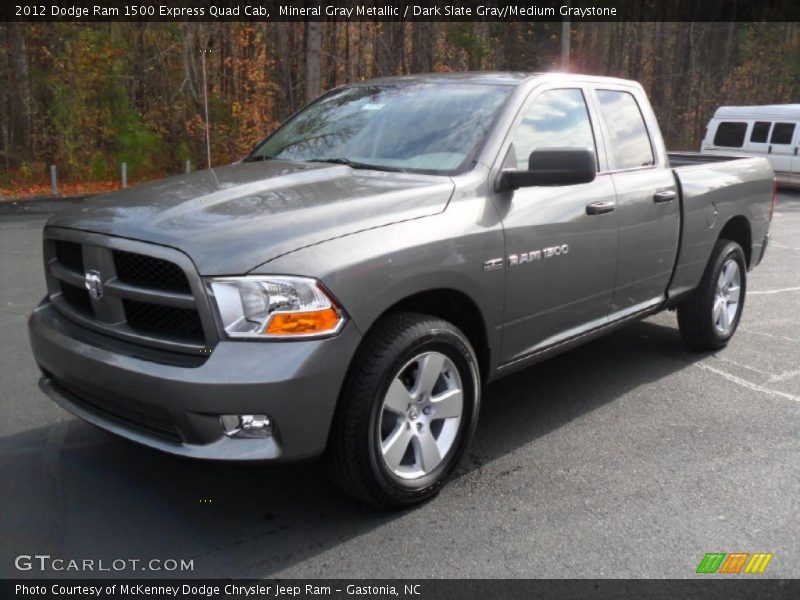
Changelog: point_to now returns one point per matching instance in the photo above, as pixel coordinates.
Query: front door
(560, 260)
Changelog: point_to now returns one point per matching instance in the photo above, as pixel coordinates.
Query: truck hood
(231, 219)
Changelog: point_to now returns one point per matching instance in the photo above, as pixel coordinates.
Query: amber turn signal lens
(318, 321)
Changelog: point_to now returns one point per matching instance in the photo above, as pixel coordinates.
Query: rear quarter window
(782, 133)
(730, 134)
(630, 142)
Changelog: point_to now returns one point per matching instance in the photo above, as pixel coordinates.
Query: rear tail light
(774, 198)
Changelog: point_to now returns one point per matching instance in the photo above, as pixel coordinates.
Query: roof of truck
(512, 78)
(766, 111)
(488, 78)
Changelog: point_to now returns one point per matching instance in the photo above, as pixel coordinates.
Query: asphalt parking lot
(628, 457)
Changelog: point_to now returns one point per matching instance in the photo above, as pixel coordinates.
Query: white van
(771, 131)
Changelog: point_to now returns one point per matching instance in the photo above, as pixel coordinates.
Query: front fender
(371, 271)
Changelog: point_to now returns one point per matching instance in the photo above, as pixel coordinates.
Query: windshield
(405, 126)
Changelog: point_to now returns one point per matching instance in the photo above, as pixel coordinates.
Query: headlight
(275, 307)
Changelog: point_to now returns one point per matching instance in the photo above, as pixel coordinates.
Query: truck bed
(713, 190)
(685, 158)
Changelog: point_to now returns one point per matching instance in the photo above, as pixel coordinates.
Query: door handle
(600, 208)
(769, 150)
(795, 150)
(664, 196)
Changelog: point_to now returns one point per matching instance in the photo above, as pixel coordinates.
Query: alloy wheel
(420, 415)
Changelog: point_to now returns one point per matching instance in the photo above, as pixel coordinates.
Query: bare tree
(422, 42)
(20, 88)
(313, 66)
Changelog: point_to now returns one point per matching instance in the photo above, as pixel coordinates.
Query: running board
(568, 340)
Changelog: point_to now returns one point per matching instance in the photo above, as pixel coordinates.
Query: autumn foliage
(87, 97)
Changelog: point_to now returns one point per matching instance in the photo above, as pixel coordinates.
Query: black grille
(146, 417)
(146, 271)
(76, 297)
(154, 318)
(182, 323)
(70, 255)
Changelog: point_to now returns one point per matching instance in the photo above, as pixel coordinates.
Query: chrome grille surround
(176, 316)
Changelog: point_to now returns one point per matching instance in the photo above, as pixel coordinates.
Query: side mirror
(552, 166)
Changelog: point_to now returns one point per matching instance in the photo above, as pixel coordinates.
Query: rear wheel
(709, 318)
(407, 412)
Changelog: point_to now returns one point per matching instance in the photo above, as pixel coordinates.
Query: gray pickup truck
(348, 289)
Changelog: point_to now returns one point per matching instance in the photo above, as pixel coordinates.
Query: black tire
(353, 458)
(695, 314)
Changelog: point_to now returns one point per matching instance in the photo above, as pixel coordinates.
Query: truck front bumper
(177, 408)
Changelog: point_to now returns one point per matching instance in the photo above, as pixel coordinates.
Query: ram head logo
(94, 284)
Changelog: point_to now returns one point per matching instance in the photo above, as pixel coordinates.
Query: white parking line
(784, 376)
(749, 368)
(747, 384)
(770, 335)
(782, 247)
(780, 291)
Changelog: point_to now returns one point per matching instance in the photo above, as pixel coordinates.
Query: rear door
(560, 260)
(781, 148)
(647, 203)
(794, 178)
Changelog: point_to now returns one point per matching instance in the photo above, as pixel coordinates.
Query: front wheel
(709, 318)
(407, 413)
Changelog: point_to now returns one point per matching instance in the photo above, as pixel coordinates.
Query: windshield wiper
(354, 164)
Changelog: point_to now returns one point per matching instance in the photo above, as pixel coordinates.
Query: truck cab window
(782, 133)
(760, 132)
(730, 135)
(630, 142)
(555, 118)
